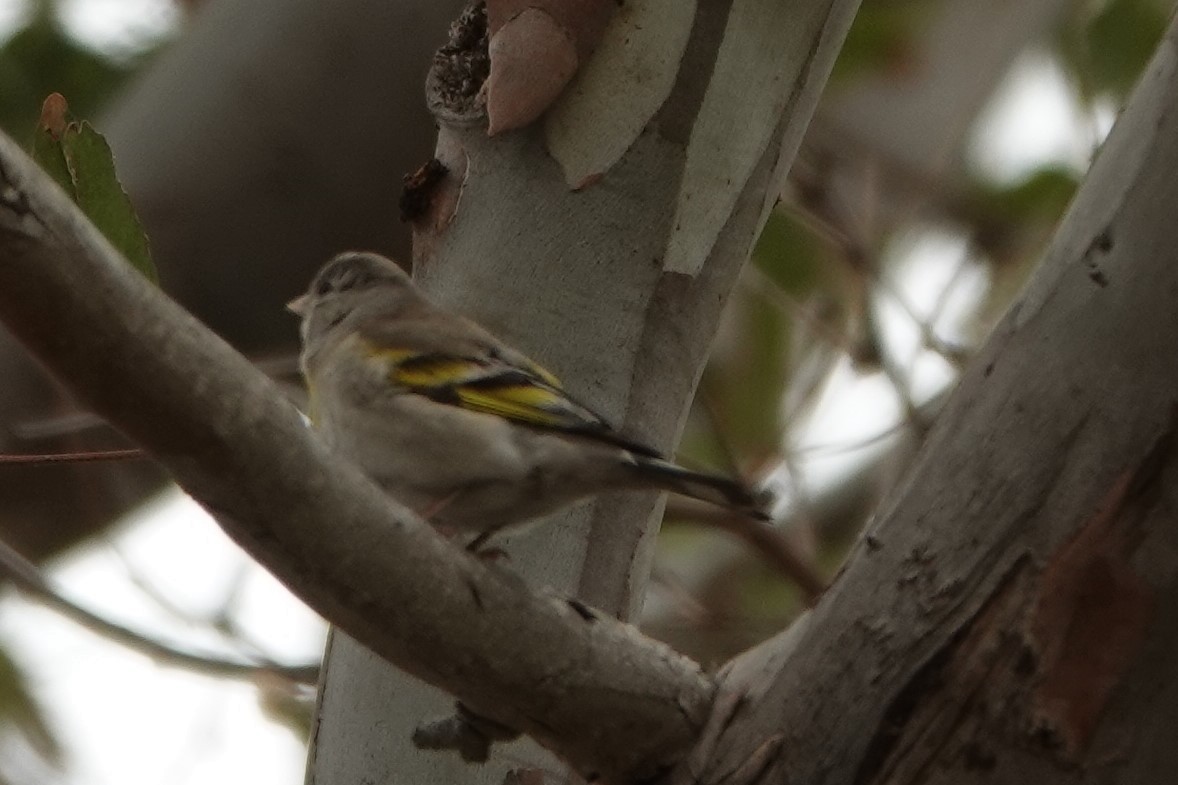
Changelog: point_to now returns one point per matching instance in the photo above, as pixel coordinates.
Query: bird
(453, 422)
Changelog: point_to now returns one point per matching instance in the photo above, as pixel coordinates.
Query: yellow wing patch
(438, 373)
(513, 388)
(522, 403)
(544, 374)
(388, 355)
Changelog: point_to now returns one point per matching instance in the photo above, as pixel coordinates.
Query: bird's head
(353, 283)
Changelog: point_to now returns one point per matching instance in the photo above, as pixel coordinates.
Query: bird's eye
(323, 287)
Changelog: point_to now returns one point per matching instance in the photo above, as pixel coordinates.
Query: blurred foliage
(290, 705)
(739, 408)
(1011, 226)
(730, 604)
(788, 322)
(1105, 51)
(41, 59)
(759, 359)
(80, 160)
(1041, 196)
(1104, 45)
(21, 714)
(882, 38)
(1007, 220)
(792, 255)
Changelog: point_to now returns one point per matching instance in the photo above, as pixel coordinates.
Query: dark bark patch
(466, 732)
(1104, 241)
(1101, 245)
(439, 194)
(939, 716)
(898, 715)
(524, 777)
(460, 67)
(582, 610)
(978, 757)
(1092, 613)
(419, 188)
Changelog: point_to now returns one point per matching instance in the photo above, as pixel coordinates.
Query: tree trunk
(615, 285)
(1009, 619)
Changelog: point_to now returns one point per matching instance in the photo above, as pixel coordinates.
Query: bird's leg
(479, 541)
(449, 532)
(492, 554)
(475, 546)
(435, 508)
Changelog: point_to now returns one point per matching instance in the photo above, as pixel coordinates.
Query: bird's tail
(698, 485)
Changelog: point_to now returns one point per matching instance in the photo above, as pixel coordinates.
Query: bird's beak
(298, 306)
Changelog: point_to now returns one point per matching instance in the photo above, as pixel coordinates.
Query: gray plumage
(451, 421)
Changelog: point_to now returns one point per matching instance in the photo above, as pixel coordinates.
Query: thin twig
(28, 578)
(761, 285)
(682, 600)
(862, 261)
(87, 456)
(953, 353)
(767, 540)
(221, 624)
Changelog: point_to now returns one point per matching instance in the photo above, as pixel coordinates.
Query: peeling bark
(527, 661)
(579, 276)
(1000, 623)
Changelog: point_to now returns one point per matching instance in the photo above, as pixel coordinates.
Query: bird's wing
(485, 376)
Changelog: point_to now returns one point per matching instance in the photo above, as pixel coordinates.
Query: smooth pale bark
(616, 287)
(1005, 622)
(1009, 618)
(243, 149)
(885, 148)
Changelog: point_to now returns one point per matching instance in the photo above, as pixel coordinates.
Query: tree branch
(364, 562)
(765, 538)
(1003, 619)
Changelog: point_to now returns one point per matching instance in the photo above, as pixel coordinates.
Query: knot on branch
(453, 88)
(465, 732)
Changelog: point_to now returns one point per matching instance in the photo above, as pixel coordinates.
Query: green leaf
(287, 707)
(101, 196)
(80, 160)
(1041, 196)
(1122, 39)
(791, 254)
(49, 155)
(883, 37)
(1106, 52)
(42, 58)
(793, 271)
